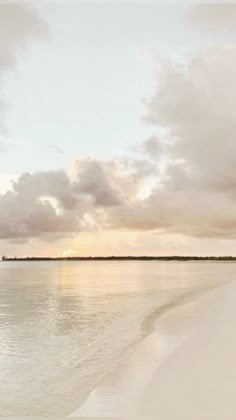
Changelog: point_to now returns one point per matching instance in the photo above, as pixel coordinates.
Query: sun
(69, 252)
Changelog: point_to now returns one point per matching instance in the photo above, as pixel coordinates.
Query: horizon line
(121, 257)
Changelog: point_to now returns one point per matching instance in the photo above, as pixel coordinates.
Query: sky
(117, 128)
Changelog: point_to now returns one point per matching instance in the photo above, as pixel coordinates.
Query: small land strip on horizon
(125, 258)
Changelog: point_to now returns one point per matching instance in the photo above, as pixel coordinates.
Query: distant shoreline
(124, 258)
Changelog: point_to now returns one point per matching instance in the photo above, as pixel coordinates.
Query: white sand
(185, 370)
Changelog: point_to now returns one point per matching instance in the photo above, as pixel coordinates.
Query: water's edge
(158, 345)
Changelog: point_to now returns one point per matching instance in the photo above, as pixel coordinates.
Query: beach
(112, 339)
(186, 369)
(199, 380)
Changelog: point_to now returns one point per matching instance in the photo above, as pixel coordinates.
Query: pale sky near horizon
(128, 102)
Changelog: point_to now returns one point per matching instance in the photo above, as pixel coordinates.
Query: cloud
(197, 104)
(188, 176)
(93, 180)
(186, 212)
(152, 147)
(196, 194)
(213, 17)
(29, 210)
(19, 24)
(51, 204)
(113, 182)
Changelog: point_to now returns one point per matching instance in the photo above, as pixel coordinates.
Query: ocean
(66, 325)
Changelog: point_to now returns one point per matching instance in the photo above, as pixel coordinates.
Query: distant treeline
(123, 258)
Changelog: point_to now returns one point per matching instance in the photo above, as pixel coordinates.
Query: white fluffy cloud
(52, 205)
(197, 192)
(28, 210)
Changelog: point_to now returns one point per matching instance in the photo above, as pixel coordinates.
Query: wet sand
(186, 369)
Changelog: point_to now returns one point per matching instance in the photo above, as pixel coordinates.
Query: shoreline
(204, 368)
(131, 389)
(124, 258)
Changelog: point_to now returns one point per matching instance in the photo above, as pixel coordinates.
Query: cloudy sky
(117, 128)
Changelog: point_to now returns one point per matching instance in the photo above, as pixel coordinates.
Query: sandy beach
(186, 369)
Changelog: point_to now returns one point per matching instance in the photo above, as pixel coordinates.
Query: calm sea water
(66, 325)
